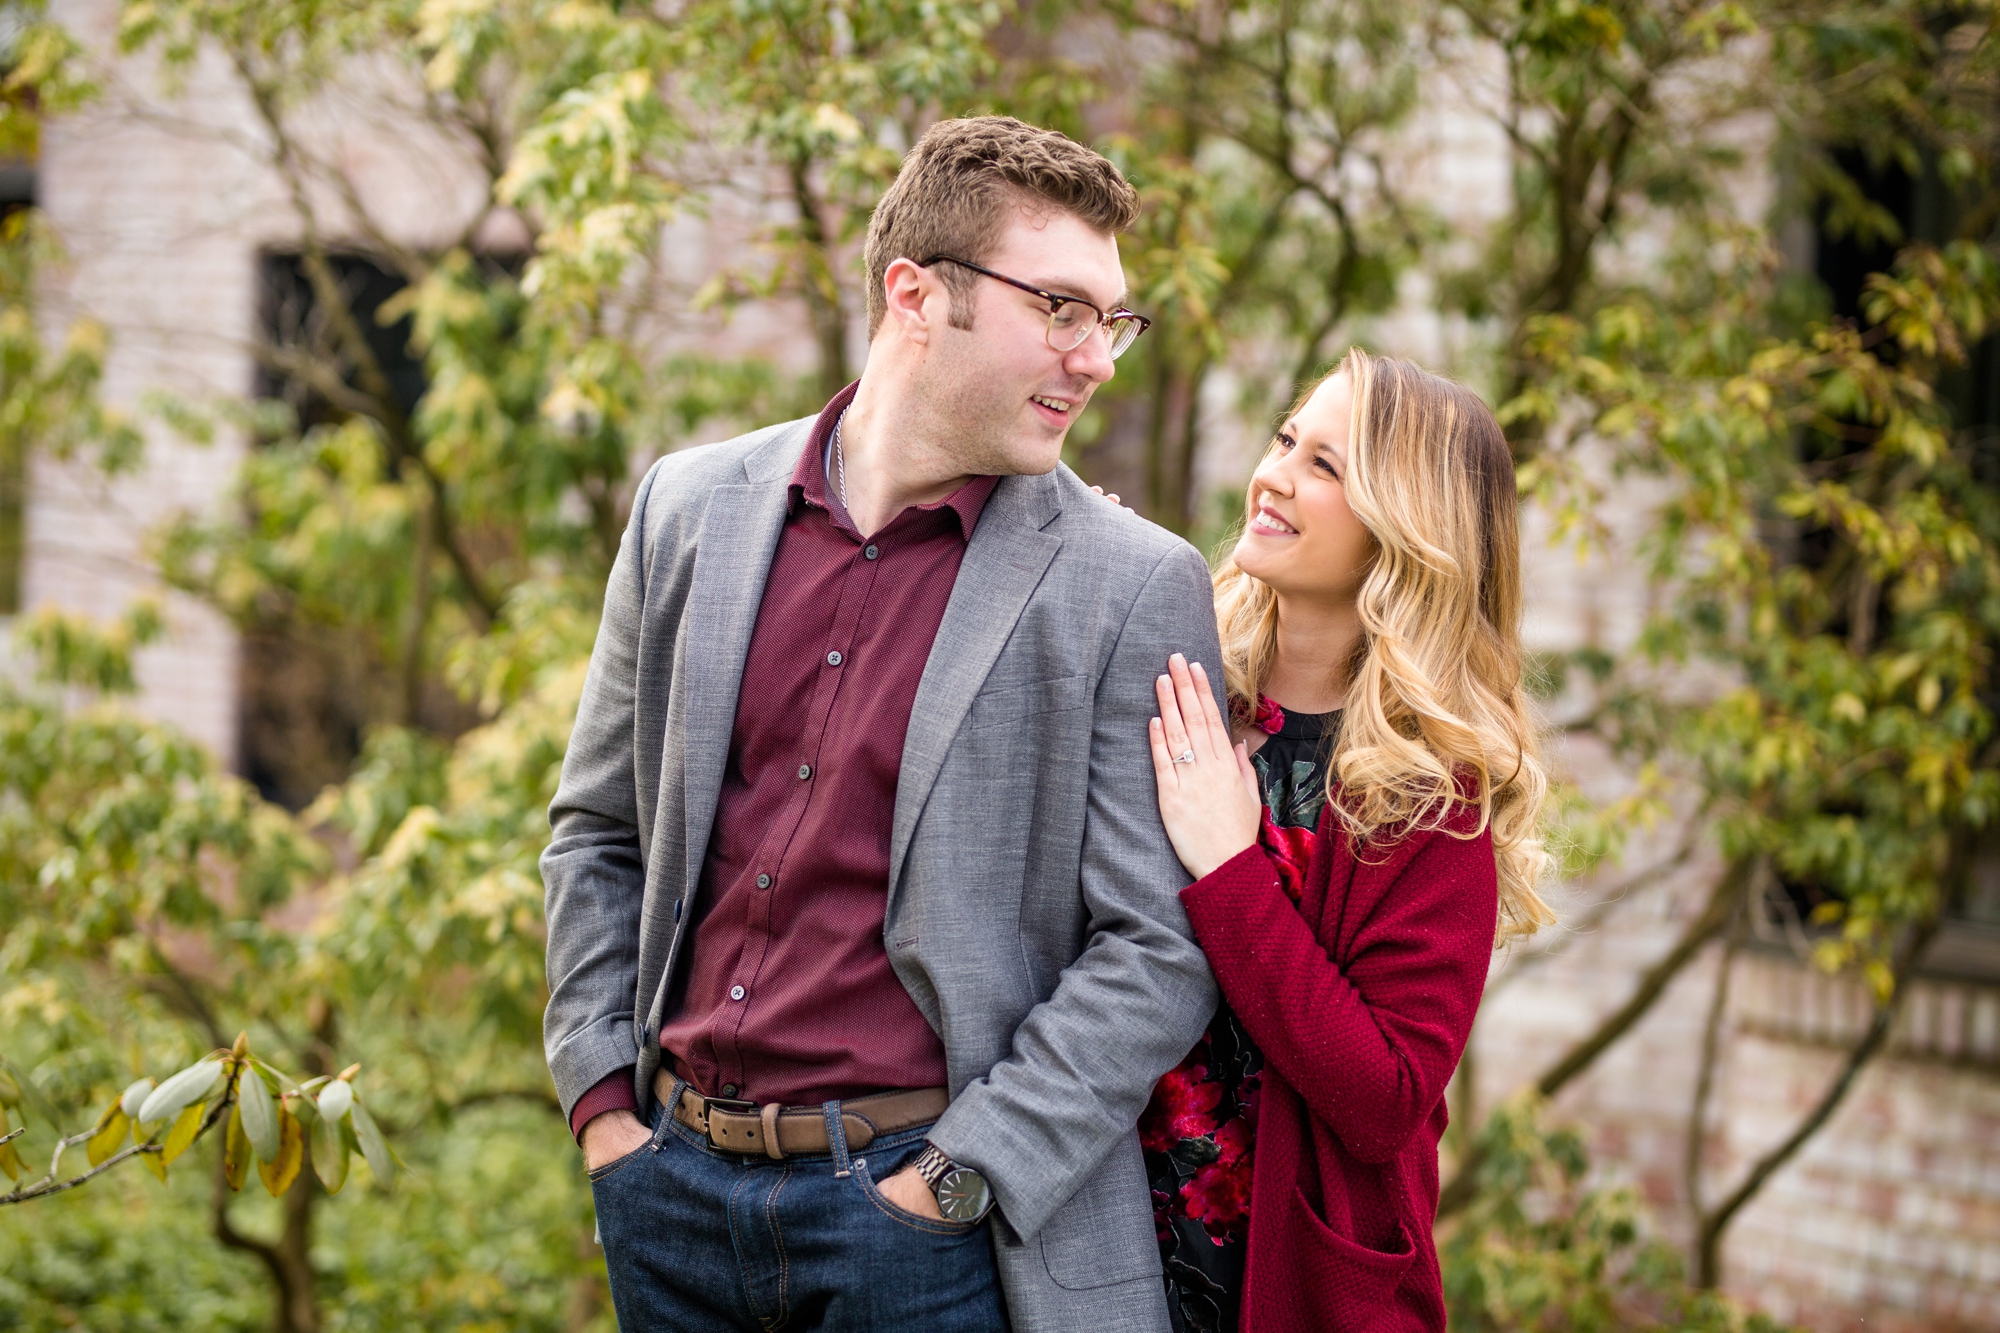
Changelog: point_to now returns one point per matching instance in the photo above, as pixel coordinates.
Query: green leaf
(280, 1171)
(329, 1154)
(373, 1147)
(10, 1161)
(334, 1099)
(192, 1084)
(260, 1114)
(27, 1093)
(186, 1126)
(134, 1097)
(112, 1127)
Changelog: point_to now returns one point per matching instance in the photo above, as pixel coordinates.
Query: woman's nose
(1271, 475)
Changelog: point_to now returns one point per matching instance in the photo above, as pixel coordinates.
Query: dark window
(295, 322)
(311, 688)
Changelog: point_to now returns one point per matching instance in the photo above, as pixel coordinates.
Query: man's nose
(1091, 358)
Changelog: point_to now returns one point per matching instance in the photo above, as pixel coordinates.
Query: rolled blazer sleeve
(1085, 1060)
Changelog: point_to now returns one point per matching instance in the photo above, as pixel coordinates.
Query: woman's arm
(1371, 1047)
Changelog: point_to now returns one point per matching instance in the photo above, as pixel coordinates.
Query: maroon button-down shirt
(786, 994)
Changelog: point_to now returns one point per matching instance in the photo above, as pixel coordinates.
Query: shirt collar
(809, 486)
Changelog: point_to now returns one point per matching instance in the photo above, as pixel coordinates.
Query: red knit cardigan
(1361, 998)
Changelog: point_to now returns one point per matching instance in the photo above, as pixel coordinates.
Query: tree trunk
(294, 1293)
(587, 1294)
(821, 286)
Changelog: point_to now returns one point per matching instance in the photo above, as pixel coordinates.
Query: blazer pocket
(1345, 1279)
(997, 708)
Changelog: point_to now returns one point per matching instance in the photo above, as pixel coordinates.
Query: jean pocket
(933, 1225)
(617, 1164)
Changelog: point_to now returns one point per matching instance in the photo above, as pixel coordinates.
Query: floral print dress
(1199, 1129)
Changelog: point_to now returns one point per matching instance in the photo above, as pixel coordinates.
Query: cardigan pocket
(1343, 1278)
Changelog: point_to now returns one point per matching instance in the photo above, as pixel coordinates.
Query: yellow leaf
(155, 1165)
(236, 1153)
(279, 1173)
(110, 1135)
(186, 1126)
(10, 1162)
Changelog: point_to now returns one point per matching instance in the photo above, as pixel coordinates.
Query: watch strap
(931, 1164)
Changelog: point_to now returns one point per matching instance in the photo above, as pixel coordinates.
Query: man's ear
(911, 295)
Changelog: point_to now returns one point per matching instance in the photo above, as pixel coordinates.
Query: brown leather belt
(799, 1131)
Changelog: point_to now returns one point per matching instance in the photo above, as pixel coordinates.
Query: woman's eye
(1283, 442)
(1326, 467)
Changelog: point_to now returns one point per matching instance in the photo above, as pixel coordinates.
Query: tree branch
(1728, 890)
(1708, 1241)
(1711, 1046)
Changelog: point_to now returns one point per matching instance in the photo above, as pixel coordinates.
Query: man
(861, 916)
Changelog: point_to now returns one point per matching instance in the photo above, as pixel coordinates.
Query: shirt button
(729, 1089)
(735, 992)
(805, 771)
(834, 658)
(871, 552)
(763, 881)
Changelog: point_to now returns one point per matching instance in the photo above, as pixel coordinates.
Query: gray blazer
(1033, 910)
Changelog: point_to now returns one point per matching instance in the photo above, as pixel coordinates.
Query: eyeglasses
(1071, 318)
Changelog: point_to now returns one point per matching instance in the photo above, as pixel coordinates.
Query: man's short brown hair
(958, 186)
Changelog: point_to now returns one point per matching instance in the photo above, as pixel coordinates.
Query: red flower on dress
(1291, 850)
(1183, 1106)
(1270, 718)
(1267, 717)
(1218, 1195)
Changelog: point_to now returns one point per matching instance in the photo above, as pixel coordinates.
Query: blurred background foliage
(447, 437)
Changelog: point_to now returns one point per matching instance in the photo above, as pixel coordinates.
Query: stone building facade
(1890, 1219)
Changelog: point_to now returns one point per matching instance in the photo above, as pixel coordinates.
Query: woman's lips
(1268, 523)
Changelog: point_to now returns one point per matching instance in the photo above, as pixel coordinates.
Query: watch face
(962, 1195)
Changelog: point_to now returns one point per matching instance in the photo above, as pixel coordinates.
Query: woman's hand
(1208, 791)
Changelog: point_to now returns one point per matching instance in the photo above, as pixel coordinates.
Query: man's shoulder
(1111, 538)
(687, 475)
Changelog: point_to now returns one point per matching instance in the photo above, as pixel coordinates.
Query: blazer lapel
(1004, 563)
(739, 537)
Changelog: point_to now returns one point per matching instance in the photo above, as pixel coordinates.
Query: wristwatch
(961, 1192)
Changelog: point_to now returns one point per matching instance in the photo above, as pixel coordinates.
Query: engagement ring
(1184, 757)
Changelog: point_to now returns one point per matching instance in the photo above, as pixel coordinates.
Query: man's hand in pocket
(610, 1136)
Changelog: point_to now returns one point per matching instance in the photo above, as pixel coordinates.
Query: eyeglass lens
(1072, 321)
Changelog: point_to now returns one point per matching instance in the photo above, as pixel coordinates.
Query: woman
(1360, 840)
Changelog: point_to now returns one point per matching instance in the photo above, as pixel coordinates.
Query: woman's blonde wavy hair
(1434, 692)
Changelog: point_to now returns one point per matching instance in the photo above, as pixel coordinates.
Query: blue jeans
(696, 1239)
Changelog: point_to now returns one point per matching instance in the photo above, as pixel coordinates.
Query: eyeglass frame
(1056, 302)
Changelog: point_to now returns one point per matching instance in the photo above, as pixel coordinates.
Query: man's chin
(1022, 459)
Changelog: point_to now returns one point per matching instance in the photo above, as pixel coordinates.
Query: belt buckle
(733, 1106)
